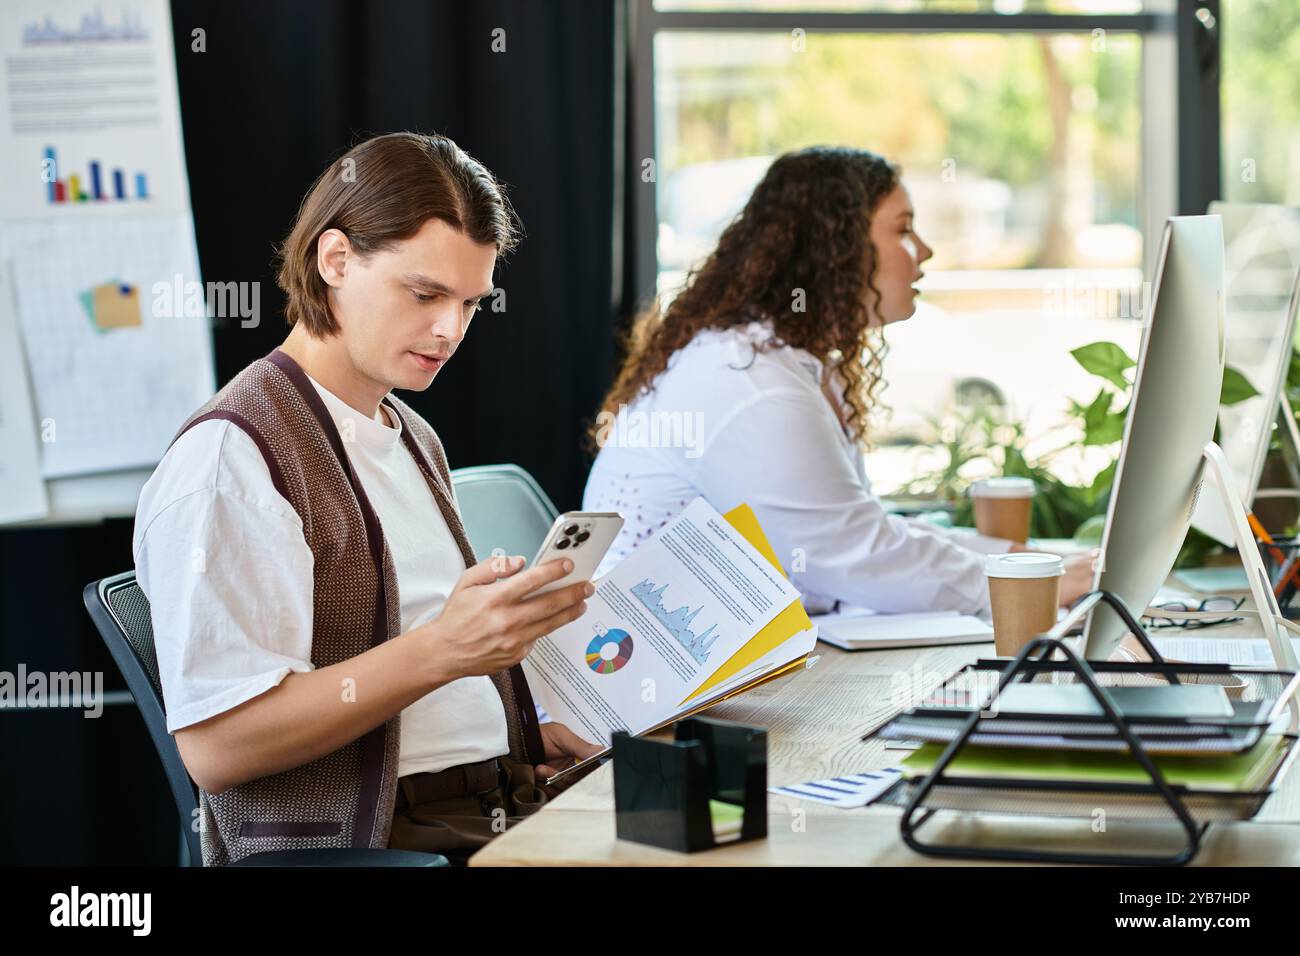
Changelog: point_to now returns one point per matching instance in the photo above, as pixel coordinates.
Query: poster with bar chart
(89, 111)
(95, 220)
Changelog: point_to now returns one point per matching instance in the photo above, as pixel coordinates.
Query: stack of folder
(780, 648)
(1046, 747)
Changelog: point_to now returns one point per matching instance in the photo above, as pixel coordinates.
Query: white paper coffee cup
(1024, 593)
(1003, 507)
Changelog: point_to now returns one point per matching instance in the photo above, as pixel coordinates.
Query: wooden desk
(815, 722)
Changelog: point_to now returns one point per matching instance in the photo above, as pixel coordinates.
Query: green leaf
(1089, 532)
(1098, 406)
(1109, 431)
(1101, 484)
(1014, 464)
(1293, 370)
(1101, 426)
(1236, 388)
(1105, 359)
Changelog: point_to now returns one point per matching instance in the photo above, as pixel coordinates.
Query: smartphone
(581, 536)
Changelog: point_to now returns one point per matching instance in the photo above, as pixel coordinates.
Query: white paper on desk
(1246, 651)
(850, 791)
(660, 623)
(1170, 595)
(22, 491)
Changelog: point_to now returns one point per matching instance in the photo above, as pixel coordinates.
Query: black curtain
(285, 87)
(277, 91)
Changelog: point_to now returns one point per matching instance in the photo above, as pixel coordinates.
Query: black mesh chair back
(120, 611)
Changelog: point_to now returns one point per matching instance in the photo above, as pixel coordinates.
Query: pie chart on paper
(608, 652)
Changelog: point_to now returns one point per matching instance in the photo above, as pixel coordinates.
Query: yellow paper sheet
(789, 622)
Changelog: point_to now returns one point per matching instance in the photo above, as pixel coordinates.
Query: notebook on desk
(861, 630)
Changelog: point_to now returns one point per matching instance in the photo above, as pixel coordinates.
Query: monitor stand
(1290, 451)
(1276, 628)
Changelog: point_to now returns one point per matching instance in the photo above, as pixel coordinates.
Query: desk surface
(815, 722)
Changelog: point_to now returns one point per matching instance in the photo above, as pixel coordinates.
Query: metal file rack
(923, 796)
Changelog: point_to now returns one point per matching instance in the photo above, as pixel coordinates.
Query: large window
(1261, 101)
(1023, 149)
(907, 6)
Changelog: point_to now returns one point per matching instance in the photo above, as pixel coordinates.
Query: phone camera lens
(561, 544)
(571, 529)
(582, 536)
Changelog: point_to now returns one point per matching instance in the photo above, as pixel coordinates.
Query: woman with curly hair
(757, 384)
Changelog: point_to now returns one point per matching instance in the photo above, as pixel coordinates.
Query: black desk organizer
(662, 788)
(1035, 659)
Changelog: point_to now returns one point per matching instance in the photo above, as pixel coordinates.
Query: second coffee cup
(1003, 507)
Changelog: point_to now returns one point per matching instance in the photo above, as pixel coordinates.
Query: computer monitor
(1261, 245)
(1170, 420)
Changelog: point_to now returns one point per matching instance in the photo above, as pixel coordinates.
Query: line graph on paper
(677, 621)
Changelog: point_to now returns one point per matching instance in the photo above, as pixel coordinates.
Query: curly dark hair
(804, 228)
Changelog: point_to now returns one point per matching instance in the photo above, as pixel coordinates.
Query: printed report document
(699, 612)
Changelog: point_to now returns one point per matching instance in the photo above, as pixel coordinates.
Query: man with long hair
(338, 670)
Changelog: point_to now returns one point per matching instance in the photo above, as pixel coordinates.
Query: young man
(337, 669)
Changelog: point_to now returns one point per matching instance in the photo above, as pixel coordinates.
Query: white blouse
(738, 425)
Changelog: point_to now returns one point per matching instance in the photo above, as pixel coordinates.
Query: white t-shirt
(222, 558)
(738, 425)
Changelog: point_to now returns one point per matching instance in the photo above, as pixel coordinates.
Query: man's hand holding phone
(492, 617)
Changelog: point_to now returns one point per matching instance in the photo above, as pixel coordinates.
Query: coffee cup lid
(1003, 488)
(1024, 564)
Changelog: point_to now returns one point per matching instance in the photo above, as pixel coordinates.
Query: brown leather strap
(463, 781)
(534, 749)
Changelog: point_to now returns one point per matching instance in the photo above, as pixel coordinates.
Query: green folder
(1243, 772)
(728, 819)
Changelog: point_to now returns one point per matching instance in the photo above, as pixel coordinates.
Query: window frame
(1178, 98)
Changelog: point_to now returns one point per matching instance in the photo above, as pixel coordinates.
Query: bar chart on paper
(89, 112)
(98, 183)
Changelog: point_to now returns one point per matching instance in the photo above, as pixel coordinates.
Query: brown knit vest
(344, 799)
